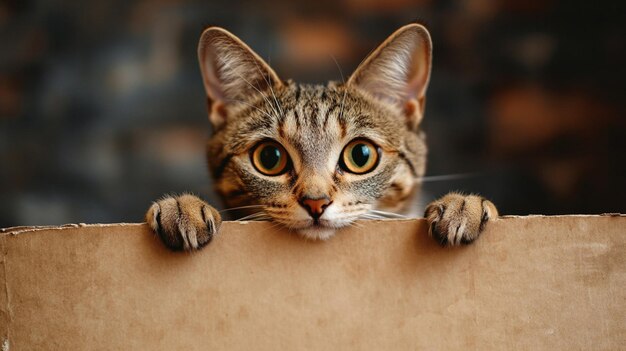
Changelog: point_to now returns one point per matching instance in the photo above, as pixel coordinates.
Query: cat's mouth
(320, 229)
(316, 227)
(317, 231)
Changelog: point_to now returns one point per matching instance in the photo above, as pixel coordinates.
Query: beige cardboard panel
(529, 283)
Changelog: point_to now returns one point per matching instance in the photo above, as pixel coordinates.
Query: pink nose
(315, 207)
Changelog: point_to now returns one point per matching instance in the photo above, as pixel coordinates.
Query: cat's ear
(398, 71)
(231, 72)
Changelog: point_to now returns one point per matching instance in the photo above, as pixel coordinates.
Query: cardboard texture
(529, 283)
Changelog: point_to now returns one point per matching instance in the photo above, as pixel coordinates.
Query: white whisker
(254, 216)
(260, 92)
(343, 81)
(388, 214)
(444, 177)
(271, 89)
(371, 216)
(355, 224)
(252, 106)
(257, 219)
(273, 225)
(269, 84)
(345, 89)
(241, 207)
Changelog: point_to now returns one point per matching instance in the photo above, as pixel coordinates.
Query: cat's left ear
(232, 73)
(398, 71)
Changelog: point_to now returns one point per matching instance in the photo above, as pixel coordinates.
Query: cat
(315, 158)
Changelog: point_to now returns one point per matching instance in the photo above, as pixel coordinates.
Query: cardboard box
(529, 283)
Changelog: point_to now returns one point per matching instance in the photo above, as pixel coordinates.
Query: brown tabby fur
(383, 102)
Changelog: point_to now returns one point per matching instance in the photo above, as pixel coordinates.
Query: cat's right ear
(231, 73)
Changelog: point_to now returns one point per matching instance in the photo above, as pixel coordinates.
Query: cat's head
(317, 157)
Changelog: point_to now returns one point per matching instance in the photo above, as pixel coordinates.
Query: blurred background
(102, 108)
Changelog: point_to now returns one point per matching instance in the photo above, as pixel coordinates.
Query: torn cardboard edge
(536, 282)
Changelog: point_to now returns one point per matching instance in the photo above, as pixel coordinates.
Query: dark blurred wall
(102, 108)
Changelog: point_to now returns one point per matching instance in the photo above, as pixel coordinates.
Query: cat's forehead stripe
(314, 123)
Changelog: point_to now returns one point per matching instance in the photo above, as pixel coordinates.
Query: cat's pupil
(360, 155)
(270, 156)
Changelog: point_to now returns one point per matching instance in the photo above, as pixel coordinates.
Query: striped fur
(314, 123)
(382, 102)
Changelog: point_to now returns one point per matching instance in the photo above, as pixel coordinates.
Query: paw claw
(184, 222)
(435, 234)
(457, 219)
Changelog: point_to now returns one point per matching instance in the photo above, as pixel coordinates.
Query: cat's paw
(457, 219)
(183, 222)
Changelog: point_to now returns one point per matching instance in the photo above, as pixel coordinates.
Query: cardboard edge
(6, 313)
(29, 229)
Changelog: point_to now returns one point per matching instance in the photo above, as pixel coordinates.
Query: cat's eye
(270, 158)
(359, 156)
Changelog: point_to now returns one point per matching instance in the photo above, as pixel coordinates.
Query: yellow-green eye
(270, 158)
(360, 156)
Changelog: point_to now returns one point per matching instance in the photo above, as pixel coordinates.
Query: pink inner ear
(231, 70)
(417, 80)
(410, 107)
(217, 113)
(399, 69)
(212, 82)
(414, 111)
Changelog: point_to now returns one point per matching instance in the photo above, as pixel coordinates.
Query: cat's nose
(315, 207)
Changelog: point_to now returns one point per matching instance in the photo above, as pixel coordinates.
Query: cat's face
(316, 157)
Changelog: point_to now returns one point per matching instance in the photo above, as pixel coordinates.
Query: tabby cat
(315, 158)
